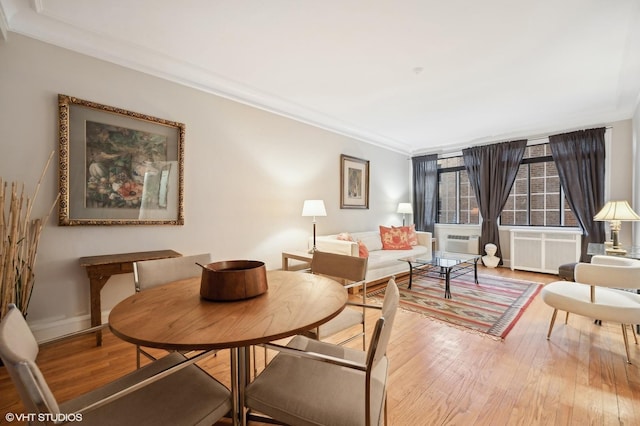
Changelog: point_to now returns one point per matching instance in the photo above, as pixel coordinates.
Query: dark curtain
(579, 158)
(492, 170)
(425, 192)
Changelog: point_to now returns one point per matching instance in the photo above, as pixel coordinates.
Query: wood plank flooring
(440, 375)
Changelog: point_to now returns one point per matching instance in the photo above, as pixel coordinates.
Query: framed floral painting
(118, 167)
(354, 183)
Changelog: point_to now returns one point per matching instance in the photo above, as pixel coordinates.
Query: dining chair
(310, 382)
(351, 270)
(152, 273)
(171, 390)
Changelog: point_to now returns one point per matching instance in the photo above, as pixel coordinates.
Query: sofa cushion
(394, 238)
(384, 263)
(381, 263)
(371, 239)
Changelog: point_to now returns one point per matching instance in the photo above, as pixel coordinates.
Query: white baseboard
(49, 329)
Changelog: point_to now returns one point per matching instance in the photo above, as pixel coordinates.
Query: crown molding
(33, 20)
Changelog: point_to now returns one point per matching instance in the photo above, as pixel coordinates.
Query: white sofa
(381, 263)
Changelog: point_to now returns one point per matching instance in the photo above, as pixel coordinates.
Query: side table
(101, 268)
(300, 255)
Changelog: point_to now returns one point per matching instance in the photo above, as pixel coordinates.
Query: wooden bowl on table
(230, 280)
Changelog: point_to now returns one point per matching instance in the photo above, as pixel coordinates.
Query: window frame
(562, 207)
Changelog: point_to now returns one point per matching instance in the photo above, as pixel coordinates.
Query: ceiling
(415, 76)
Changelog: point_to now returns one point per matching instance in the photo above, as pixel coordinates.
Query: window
(456, 200)
(536, 198)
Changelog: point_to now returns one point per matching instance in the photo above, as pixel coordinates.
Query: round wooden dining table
(174, 317)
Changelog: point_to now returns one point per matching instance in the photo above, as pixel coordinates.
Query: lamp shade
(313, 208)
(616, 210)
(405, 208)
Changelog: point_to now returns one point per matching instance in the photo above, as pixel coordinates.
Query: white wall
(620, 170)
(247, 173)
(636, 170)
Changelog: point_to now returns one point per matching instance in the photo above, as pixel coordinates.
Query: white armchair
(598, 293)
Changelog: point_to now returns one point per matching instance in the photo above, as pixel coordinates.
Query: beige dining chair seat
(311, 382)
(188, 396)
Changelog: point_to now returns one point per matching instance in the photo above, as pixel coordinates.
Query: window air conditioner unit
(462, 244)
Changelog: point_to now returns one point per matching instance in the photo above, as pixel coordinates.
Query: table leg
(245, 374)
(447, 289)
(234, 386)
(475, 270)
(240, 374)
(410, 273)
(95, 287)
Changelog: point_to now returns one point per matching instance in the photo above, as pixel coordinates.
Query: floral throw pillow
(394, 238)
(411, 233)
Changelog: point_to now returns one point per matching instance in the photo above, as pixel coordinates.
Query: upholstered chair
(311, 382)
(171, 390)
(599, 293)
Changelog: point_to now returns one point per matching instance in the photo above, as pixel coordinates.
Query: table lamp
(404, 208)
(616, 212)
(313, 208)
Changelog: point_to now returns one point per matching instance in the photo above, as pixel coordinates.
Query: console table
(101, 268)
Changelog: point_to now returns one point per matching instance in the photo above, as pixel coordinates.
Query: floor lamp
(313, 208)
(404, 208)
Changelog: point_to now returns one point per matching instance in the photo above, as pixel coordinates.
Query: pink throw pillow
(363, 251)
(394, 238)
(344, 236)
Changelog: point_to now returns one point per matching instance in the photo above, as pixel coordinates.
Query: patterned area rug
(491, 307)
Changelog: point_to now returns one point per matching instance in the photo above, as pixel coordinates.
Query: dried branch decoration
(19, 236)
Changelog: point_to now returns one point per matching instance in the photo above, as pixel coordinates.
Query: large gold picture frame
(118, 167)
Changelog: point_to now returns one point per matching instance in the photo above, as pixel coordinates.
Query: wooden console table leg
(101, 268)
(95, 285)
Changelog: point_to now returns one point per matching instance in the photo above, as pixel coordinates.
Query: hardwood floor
(440, 375)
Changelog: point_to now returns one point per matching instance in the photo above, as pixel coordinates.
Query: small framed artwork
(118, 167)
(354, 183)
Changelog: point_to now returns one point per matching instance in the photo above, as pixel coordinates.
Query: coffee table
(443, 265)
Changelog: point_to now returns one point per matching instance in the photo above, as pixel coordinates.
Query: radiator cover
(543, 251)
